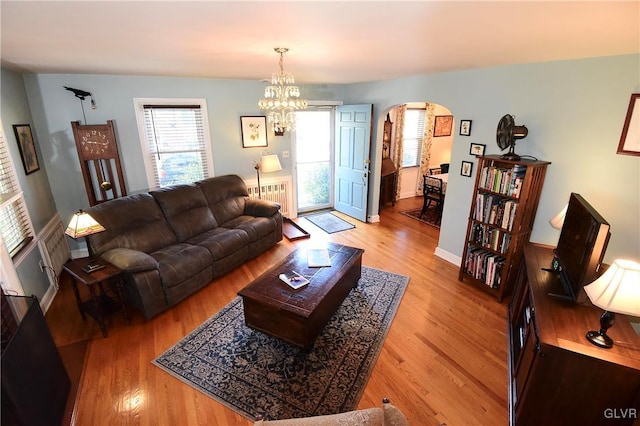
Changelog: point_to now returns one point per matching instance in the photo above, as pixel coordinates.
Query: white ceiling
(329, 41)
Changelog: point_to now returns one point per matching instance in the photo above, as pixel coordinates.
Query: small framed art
(477, 149)
(466, 168)
(254, 131)
(465, 127)
(442, 126)
(27, 148)
(630, 139)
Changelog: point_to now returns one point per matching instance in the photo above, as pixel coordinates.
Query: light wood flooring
(443, 361)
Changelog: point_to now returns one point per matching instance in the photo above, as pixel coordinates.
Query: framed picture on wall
(466, 168)
(477, 149)
(465, 127)
(442, 126)
(27, 148)
(254, 131)
(630, 139)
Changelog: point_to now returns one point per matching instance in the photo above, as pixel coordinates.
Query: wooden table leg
(74, 285)
(98, 310)
(120, 294)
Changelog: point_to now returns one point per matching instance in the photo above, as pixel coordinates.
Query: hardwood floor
(443, 361)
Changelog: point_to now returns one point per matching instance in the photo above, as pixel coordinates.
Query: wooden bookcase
(504, 205)
(556, 376)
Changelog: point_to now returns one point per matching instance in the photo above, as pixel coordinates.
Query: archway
(408, 169)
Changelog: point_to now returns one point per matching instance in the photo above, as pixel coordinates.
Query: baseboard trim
(449, 257)
(374, 219)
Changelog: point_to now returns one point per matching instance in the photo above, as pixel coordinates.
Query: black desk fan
(507, 134)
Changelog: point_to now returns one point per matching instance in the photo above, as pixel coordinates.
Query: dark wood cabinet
(388, 183)
(556, 376)
(503, 209)
(35, 383)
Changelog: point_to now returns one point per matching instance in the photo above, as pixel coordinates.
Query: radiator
(277, 190)
(54, 249)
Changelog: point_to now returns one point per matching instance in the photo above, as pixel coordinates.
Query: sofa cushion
(134, 222)
(226, 195)
(255, 227)
(178, 262)
(221, 242)
(186, 209)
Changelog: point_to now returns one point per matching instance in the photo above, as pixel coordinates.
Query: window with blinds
(175, 141)
(412, 137)
(15, 225)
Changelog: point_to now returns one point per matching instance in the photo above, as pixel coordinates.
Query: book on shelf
(318, 258)
(484, 266)
(293, 279)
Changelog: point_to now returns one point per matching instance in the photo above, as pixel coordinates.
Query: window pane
(175, 143)
(14, 221)
(413, 135)
(313, 184)
(313, 133)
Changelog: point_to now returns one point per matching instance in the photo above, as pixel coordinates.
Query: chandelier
(282, 99)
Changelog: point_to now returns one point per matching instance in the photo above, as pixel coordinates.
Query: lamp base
(600, 339)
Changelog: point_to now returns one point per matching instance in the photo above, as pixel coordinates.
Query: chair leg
(424, 208)
(439, 210)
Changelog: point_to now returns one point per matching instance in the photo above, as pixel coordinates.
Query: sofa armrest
(261, 208)
(393, 416)
(364, 417)
(130, 260)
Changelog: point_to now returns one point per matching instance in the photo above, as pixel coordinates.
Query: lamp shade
(618, 289)
(82, 224)
(270, 163)
(558, 220)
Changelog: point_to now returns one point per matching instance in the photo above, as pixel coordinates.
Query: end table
(101, 303)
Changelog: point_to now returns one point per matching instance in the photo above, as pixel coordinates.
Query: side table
(101, 304)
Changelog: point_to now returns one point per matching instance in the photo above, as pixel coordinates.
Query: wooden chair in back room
(432, 191)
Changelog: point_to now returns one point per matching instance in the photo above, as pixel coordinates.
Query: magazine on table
(318, 258)
(294, 279)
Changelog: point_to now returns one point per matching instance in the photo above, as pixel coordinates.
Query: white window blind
(176, 143)
(15, 225)
(413, 135)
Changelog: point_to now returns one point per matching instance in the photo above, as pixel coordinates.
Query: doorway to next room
(413, 147)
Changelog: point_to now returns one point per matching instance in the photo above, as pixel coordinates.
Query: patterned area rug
(255, 374)
(430, 216)
(329, 222)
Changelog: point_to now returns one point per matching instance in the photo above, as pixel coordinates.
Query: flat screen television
(581, 247)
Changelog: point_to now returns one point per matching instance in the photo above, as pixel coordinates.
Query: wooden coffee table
(298, 316)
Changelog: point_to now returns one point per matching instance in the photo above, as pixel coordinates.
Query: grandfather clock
(99, 161)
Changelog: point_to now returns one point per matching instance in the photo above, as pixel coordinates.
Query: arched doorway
(424, 149)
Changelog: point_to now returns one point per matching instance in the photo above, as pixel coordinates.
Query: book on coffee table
(318, 258)
(294, 279)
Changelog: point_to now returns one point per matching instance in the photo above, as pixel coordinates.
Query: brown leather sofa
(171, 242)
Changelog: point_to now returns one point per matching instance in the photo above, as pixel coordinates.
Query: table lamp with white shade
(268, 163)
(617, 290)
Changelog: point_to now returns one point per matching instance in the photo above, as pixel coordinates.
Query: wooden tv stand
(556, 376)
